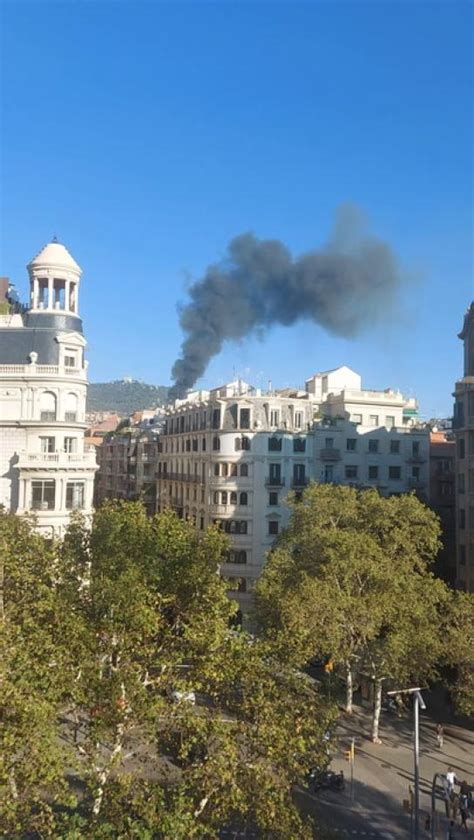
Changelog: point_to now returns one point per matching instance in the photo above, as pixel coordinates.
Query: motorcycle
(325, 780)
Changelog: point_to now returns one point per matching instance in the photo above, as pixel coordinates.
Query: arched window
(244, 470)
(216, 498)
(224, 497)
(233, 498)
(48, 403)
(70, 408)
(245, 443)
(243, 499)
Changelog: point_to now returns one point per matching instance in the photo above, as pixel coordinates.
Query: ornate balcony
(57, 460)
(31, 370)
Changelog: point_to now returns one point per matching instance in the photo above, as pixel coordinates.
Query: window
(351, 444)
(462, 555)
(216, 443)
(233, 498)
(357, 418)
(224, 469)
(273, 498)
(415, 447)
(43, 495)
(394, 447)
(195, 444)
(233, 469)
(275, 474)
(462, 518)
(273, 527)
(470, 481)
(299, 444)
(274, 417)
(47, 444)
(373, 419)
(461, 448)
(394, 473)
(70, 408)
(203, 443)
(243, 499)
(188, 445)
(299, 474)
(461, 483)
(47, 407)
(244, 419)
(415, 473)
(298, 419)
(274, 444)
(329, 443)
(70, 359)
(389, 421)
(350, 471)
(201, 523)
(244, 470)
(373, 473)
(237, 557)
(328, 473)
(245, 442)
(216, 418)
(216, 497)
(373, 445)
(216, 469)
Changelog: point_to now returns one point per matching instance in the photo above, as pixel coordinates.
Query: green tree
(144, 620)
(460, 649)
(349, 580)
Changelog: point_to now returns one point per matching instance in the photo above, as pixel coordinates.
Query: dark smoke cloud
(345, 286)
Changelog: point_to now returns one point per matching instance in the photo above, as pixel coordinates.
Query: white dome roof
(55, 255)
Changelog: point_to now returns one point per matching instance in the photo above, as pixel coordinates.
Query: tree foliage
(103, 640)
(350, 580)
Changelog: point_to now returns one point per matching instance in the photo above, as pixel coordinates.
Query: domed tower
(44, 465)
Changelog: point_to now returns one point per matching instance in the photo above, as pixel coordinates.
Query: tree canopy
(350, 580)
(129, 706)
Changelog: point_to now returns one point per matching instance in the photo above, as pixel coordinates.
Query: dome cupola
(54, 280)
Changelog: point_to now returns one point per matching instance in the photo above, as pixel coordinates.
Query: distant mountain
(124, 396)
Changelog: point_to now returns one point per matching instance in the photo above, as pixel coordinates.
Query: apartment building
(128, 463)
(45, 466)
(232, 454)
(442, 498)
(463, 425)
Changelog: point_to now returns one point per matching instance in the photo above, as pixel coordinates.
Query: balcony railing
(296, 482)
(41, 370)
(174, 476)
(275, 481)
(42, 460)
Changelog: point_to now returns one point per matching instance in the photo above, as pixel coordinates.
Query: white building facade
(231, 455)
(44, 466)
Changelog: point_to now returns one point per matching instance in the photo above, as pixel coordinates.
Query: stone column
(34, 302)
(67, 296)
(50, 304)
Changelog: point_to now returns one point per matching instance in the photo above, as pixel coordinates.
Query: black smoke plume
(345, 286)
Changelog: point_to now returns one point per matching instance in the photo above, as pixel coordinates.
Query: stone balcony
(330, 454)
(57, 460)
(41, 371)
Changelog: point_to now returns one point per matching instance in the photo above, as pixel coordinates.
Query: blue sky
(145, 135)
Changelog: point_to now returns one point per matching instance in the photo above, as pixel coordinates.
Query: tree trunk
(377, 709)
(104, 773)
(349, 689)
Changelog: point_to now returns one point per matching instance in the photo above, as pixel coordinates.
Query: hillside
(124, 396)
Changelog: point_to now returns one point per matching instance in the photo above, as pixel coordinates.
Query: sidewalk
(384, 772)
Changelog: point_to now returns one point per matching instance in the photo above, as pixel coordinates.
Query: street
(383, 773)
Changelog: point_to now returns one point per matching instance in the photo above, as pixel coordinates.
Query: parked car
(325, 780)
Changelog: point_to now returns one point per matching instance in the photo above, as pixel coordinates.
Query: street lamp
(418, 703)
